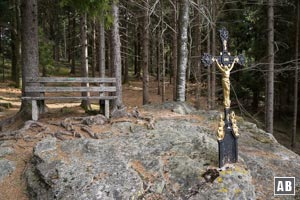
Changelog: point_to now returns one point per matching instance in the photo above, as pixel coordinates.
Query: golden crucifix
(227, 133)
(225, 63)
(225, 69)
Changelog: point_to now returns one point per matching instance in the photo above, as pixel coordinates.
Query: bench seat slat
(69, 80)
(70, 98)
(70, 89)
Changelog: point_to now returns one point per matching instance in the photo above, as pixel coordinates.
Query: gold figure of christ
(225, 69)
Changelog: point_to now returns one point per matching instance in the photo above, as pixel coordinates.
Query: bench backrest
(41, 87)
(69, 80)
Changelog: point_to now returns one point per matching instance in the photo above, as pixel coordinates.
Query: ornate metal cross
(227, 134)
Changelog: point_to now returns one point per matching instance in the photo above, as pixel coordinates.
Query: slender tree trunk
(56, 39)
(30, 49)
(116, 45)
(213, 69)
(101, 42)
(208, 73)
(158, 59)
(151, 53)
(146, 25)
(163, 89)
(198, 53)
(135, 57)
(13, 33)
(73, 47)
(69, 49)
(190, 48)
(84, 58)
(169, 65)
(94, 49)
(110, 55)
(163, 57)
(296, 77)
(126, 59)
(175, 49)
(270, 79)
(16, 43)
(182, 49)
(65, 39)
(138, 51)
(101, 57)
(3, 57)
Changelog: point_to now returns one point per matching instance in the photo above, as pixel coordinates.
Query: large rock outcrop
(6, 166)
(175, 158)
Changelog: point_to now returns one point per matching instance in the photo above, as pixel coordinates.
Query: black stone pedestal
(228, 146)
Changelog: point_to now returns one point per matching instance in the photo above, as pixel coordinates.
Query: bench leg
(102, 107)
(107, 109)
(34, 110)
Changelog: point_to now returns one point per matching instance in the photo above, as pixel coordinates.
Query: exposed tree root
(90, 132)
(119, 112)
(22, 116)
(18, 134)
(41, 129)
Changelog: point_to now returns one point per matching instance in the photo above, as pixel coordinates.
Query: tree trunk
(101, 57)
(136, 55)
(158, 58)
(94, 49)
(182, 50)
(69, 49)
(101, 42)
(170, 70)
(146, 25)
(163, 89)
(84, 58)
(296, 77)
(174, 51)
(138, 66)
(65, 40)
(3, 56)
(16, 43)
(151, 54)
(198, 53)
(208, 73)
(190, 48)
(126, 59)
(110, 54)
(270, 79)
(73, 47)
(213, 69)
(116, 46)
(30, 50)
(56, 40)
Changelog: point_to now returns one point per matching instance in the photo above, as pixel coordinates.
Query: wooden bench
(37, 87)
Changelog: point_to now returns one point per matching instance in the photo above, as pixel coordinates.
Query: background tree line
(163, 39)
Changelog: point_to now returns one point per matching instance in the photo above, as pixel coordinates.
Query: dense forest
(164, 40)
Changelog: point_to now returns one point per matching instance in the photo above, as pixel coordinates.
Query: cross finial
(224, 37)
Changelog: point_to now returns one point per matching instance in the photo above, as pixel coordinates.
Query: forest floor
(14, 187)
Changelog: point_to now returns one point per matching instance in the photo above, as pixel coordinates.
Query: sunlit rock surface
(176, 158)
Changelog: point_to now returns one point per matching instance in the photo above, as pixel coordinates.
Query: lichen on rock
(170, 161)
